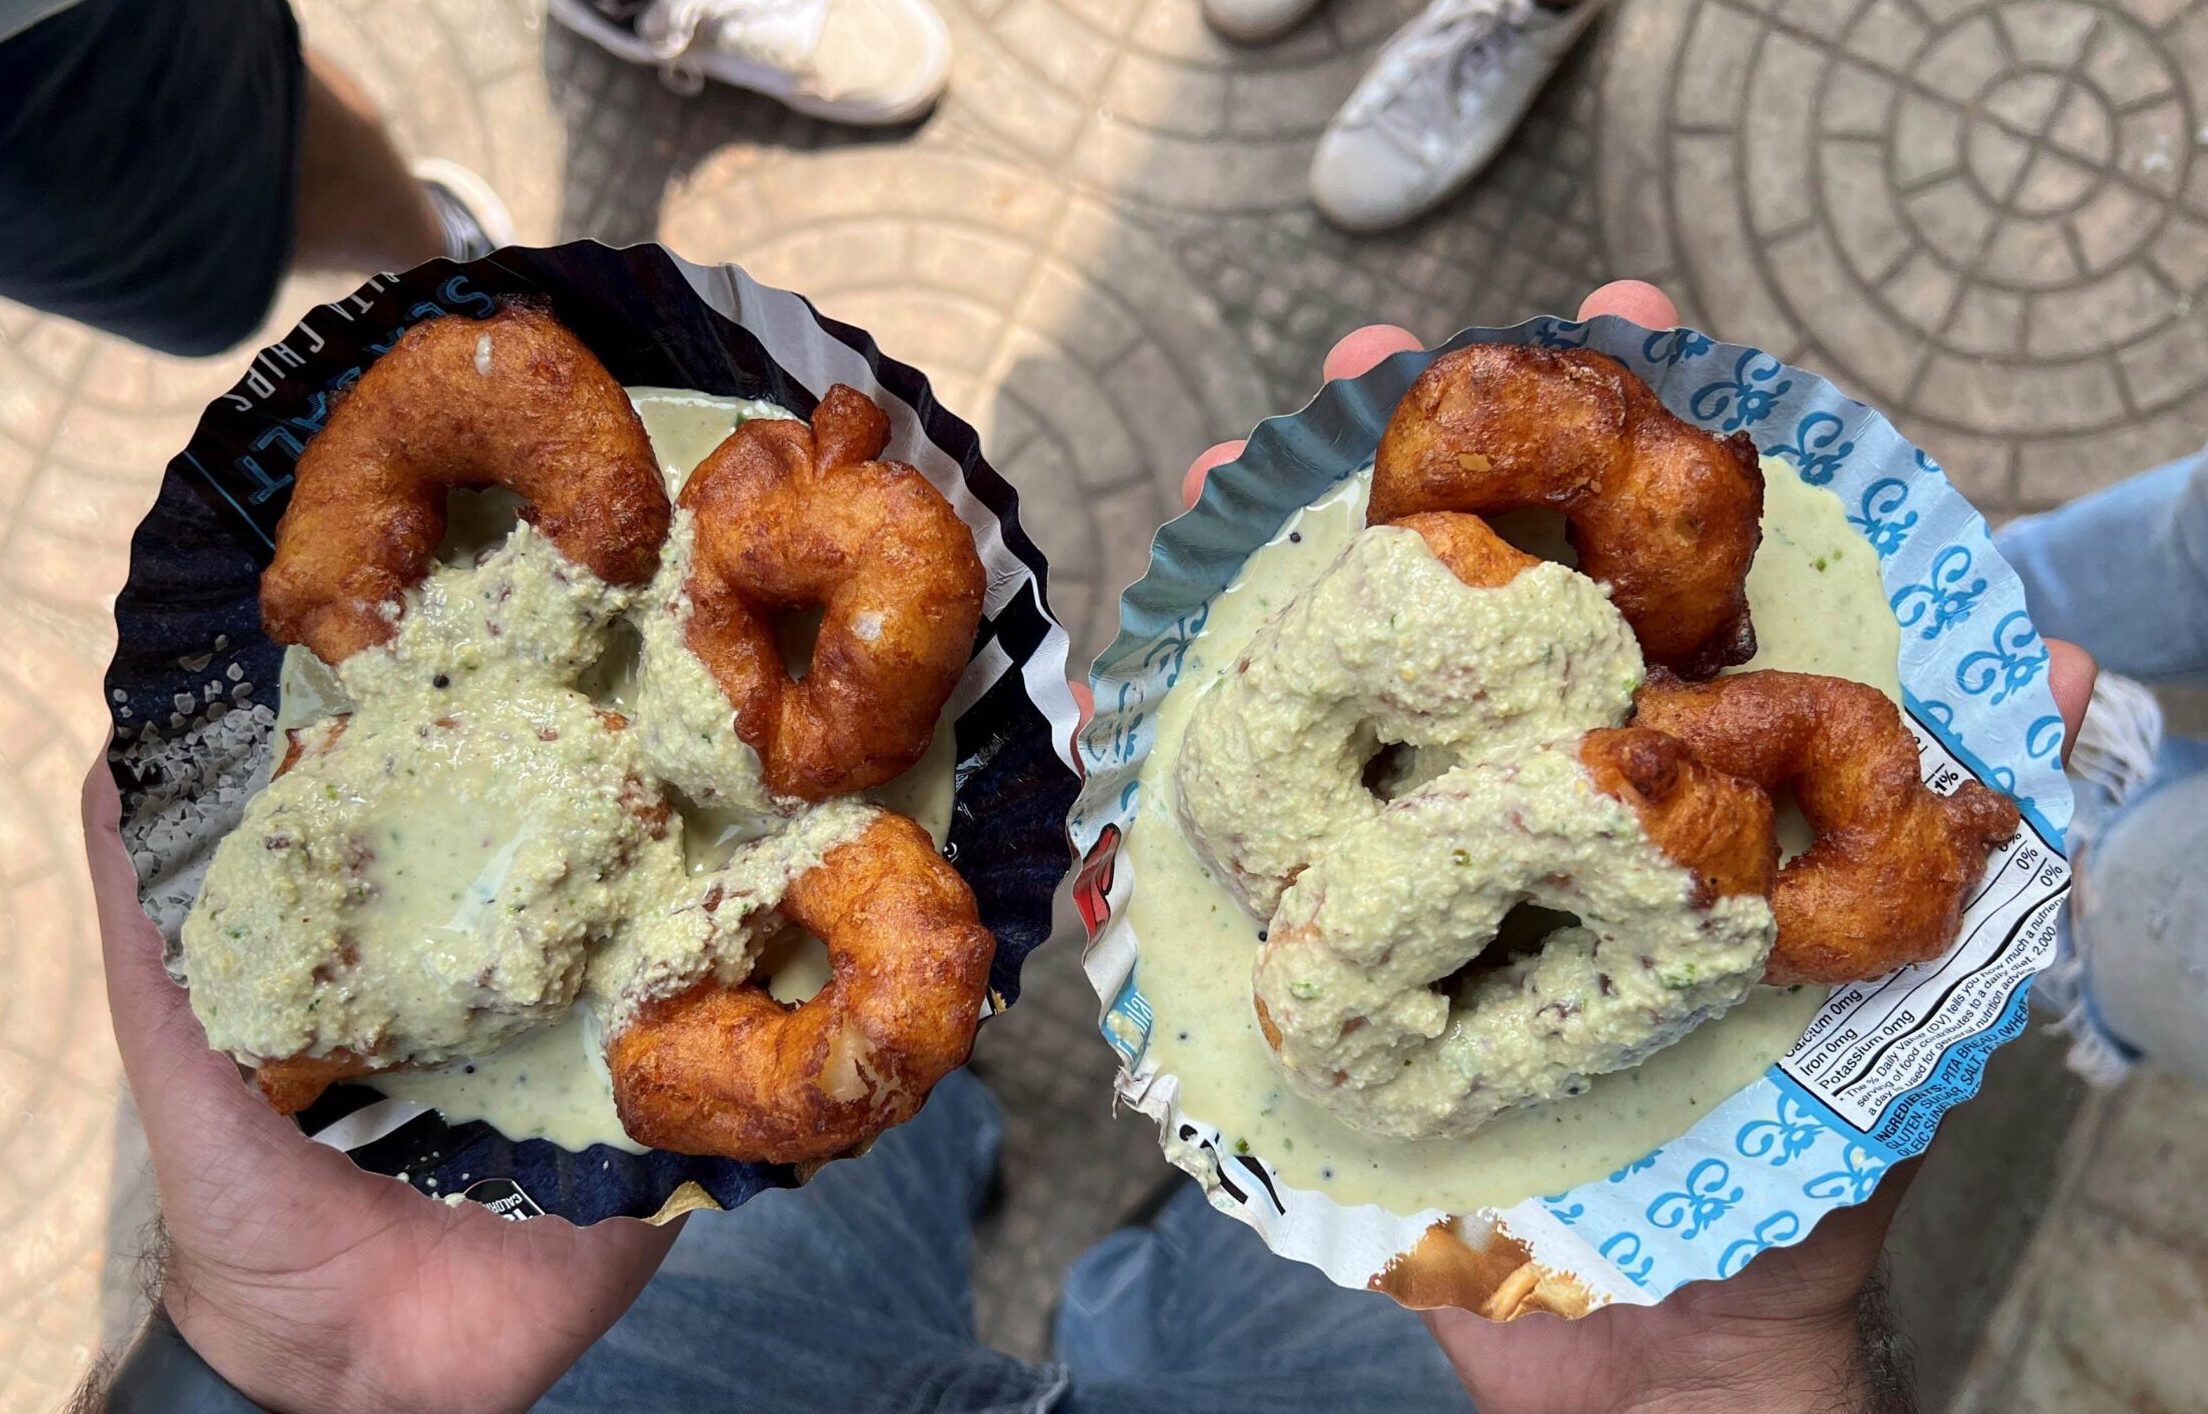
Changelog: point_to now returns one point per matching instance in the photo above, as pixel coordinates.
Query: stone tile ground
(2110, 1306)
(1989, 216)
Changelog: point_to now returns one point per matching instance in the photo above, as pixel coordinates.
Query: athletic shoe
(2111, 763)
(869, 62)
(2119, 739)
(1256, 21)
(1437, 105)
(476, 222)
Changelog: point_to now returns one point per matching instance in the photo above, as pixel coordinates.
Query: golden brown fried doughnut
(292, 1084)
(1714, 825)
(1666, 514)
(731, 1071)
(790, 517)
(1893, 863)
(514, 400)
(1470, 548)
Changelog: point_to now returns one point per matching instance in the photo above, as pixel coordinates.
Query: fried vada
(334, 945)
(1431, 635)
(1893, 862)
(1663, 862)
(515, 401)
(1666, 514)
(792, 517)
(729, 1070)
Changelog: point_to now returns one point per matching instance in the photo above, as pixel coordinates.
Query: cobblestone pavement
(1988, 216)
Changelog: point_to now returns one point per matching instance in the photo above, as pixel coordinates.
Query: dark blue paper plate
(192, 689)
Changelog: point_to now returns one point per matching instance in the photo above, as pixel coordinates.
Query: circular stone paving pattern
(1091, 369)
(1989, 217)
(1138, 100)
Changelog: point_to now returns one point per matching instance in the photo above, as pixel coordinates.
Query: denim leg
(850, 1293)
(2124, 572)
(2139, 918)
(1194, 1312)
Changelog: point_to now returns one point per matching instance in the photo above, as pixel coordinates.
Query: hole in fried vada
(611, 680)
(1792, 827)
(710, 834)
(1394, 769)
(1520, 935)
(797, 631)
(1538, 531)
(795, 965)
(477, 522)
(1387, 769)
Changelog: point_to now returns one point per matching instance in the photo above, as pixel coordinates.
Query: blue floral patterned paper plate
(193, 684)
(1867, 1083)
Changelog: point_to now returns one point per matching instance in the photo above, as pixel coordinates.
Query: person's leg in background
(1193, 1311)
(2124, 574)
(852, 1292)
(163, 163)
(360, 208)
(364, 207)
(871, 62)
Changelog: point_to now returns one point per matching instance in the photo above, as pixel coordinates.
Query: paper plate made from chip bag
(193, 686)
(1879, 1063)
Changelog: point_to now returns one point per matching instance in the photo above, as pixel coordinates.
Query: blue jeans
(2124, 573)
(853, 1294)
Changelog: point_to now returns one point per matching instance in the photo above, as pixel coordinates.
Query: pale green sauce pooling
(1198, 945)
(410, 887)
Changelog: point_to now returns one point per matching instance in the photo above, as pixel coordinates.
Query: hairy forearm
(278, 1365)
(149, 1271)
(1889, 1387)
(228, 1343)
(91, 1393)
(1841, 1368)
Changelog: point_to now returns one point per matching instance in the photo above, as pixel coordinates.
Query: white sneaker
(849, 61)
(2111, 761)
(475, 221)
(1256, 21)
(2119, 739)
(1437, 105)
